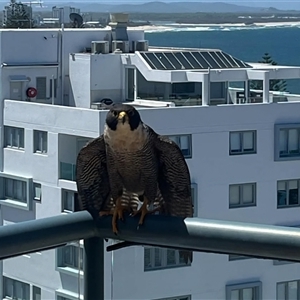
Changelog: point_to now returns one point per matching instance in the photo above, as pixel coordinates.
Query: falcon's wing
(174, 183)
(174, 178)
(92, 177)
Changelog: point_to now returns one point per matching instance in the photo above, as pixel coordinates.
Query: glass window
(287, 193)
(14, 137)
(160, 258)
(40, 140)
(242, 142)
(241, 195)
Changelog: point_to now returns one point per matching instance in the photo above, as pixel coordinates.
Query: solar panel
(192, 60)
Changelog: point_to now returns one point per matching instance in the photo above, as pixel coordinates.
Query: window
(288, 290)
(41, 86)
(69, 201)
(287, 141)
(183, 87)
(242, 142)
(67, 171)
(70, 257)
(37, 191)
(55, 87)
(14, 137)
(36, 293)
(247, 291)
(15, 191)
(14, 289)
(287, 193)
(161, 258)
(242, 195)
(184, 142)
(40, 141)
(177, 298)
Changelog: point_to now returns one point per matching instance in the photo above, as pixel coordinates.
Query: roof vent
(100, 47)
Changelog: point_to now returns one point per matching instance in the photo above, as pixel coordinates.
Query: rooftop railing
(256, 240)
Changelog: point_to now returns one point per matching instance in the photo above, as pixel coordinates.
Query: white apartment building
(242, 148)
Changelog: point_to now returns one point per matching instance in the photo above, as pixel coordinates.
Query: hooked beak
(122, 114)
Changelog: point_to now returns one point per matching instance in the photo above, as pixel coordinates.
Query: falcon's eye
(115, 113)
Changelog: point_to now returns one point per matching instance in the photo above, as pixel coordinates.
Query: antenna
(77, 20)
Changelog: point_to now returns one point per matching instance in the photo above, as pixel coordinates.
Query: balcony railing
(67, 171)
(260, 241)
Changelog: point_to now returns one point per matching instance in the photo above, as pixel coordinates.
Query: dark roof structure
(192, 60)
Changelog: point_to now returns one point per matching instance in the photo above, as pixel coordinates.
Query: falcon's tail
(187, 256)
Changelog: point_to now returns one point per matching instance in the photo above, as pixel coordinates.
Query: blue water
(283, 44)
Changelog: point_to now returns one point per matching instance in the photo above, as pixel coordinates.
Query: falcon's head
(123, 115)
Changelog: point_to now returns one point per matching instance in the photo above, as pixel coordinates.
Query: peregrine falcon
(130, 157)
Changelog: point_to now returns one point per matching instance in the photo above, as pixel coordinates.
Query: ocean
(243, 42)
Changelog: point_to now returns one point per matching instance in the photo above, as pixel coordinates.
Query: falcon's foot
(117, 214)
(144, 210)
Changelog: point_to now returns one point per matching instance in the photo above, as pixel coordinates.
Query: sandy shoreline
(151, 28)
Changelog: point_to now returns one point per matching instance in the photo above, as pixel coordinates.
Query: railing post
(94, 269)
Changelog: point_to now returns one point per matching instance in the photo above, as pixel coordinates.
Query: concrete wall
(18, 46)
(80, 76)
(106, 77)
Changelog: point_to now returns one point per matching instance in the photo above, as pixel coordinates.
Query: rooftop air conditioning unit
(122, 45)
(141, 45)
(100, 47)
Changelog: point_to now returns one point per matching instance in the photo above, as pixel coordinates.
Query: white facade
(238, 155)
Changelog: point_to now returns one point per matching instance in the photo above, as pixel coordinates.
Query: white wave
(215, 27)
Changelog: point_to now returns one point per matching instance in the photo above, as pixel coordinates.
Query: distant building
(7, 12)
(63, 13)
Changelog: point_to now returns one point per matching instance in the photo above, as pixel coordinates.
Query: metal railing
(256, 240)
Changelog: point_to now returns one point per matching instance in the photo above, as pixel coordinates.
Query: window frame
(277, 128)
(38, 141)
(13, 283)
(287, 189)
(242, 151)
(285, 288)
(60, 294)
(34, 186)
(163, 254)
(241, 204)
(190, 143)
(27, 205)
(256, 284)
(18, 131)
(75, 203)
(63, 267)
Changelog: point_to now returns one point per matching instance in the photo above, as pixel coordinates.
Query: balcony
(256, 240)
(67, 171)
